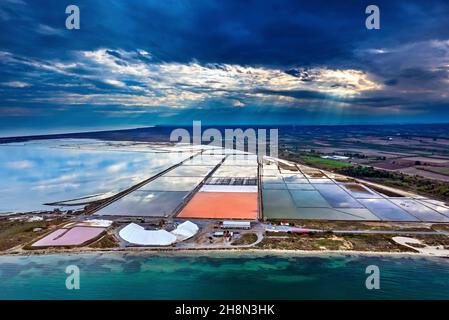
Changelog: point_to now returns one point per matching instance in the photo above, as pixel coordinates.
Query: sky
(140, 63)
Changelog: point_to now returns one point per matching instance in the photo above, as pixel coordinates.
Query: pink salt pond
(75, 236)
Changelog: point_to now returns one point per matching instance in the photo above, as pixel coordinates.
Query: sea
(222, 275)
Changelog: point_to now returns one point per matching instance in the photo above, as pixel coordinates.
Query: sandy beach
(155, 251)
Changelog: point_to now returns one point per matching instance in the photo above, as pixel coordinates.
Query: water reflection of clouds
(38, 172)
(20, 165)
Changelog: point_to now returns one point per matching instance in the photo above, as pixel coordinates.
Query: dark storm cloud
(241, 32)
(264, 57)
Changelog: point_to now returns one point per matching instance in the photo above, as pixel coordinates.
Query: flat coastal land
(17, 235)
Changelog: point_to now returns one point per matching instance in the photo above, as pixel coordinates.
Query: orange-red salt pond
(221, 205)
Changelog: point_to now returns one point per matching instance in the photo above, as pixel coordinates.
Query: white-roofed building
(185, 230)
(135, 234)
(232, 224)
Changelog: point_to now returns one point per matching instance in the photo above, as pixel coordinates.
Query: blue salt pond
(46, 171)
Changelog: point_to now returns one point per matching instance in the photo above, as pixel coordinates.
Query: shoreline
(222, 251)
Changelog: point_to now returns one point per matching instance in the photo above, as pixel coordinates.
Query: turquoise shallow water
(222, 276)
